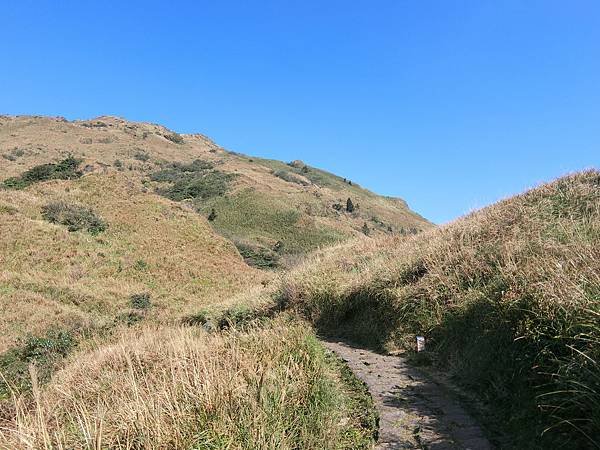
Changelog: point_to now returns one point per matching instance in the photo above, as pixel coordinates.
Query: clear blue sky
(450, 105)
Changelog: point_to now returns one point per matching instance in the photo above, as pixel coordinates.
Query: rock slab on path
(414, 412)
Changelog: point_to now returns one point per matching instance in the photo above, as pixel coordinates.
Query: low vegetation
(176, 138)
(269, 388)
(41, 352)
(140, 301)
(66, 169)
(74, 217)
(265, 228)
(508, 299)
(197, 180)
(290, 177)
(258, 256)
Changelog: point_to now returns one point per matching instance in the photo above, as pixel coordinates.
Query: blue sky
(450, 105)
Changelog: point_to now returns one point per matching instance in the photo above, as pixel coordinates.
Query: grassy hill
(271, 210)
(152, 191)
(508, 299)
(114, 238)
(158, 291)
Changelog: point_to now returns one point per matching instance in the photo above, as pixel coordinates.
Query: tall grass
(159, 388)
(508, 297)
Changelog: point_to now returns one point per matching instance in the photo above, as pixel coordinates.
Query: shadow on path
(415, 412)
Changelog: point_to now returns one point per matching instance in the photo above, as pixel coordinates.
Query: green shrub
(197, 180)
(211, 184)
(213, 215)
(67, 169)
(141, 265)
(349, 205)
(141, 156)
(140, 301)
(43, 351)
(257, 255)
(130, 318)
(178, 171)
(365, 229)
(74, 217)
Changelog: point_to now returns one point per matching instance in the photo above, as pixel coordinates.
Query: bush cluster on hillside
(67, 169)
(197, 180)
(258, 255)
(141, 156)
(140, 301)
(74, 217)
(43, 351)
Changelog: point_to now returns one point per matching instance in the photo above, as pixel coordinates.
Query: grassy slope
(65, 301)
(53, 278)
(152, 244)
(508, 299)
(142, 149)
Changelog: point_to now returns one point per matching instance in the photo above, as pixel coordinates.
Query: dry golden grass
(151, 245)
(508, 297)
(177, 388)
(43, 139)
(52, 278)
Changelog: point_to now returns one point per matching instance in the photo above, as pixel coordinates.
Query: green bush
(257, 255)
(349, 205)
(141, 265)
(67, 169)
(140, 301)
(141, 156)
(212, 216)
(178, 171)
(43, 351)
(74, 217)
(211, 184)
(365, 229)
(197, 180)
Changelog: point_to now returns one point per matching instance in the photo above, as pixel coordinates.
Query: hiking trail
(414, 411)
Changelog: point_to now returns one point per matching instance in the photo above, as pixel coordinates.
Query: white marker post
(420, 343)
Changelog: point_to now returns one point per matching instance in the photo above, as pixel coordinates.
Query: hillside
(271, 210)
(116, 239)
(155, 190)
(508, 299)
(158, 291)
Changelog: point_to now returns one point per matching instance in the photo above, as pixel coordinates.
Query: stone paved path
(415, 412)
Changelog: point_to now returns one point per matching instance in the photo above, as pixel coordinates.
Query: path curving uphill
(415, 413)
